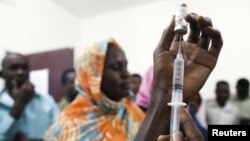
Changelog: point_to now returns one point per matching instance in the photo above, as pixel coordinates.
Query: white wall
(138, 30)
(29, 26)
(38, 25)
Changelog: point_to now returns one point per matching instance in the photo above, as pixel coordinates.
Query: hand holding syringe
(201, 52)
(178, 72)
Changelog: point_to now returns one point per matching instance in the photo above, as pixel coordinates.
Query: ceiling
(86, 8)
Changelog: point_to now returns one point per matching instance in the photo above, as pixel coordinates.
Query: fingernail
(176, 136)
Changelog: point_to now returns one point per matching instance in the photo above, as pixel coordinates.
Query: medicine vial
(180, 22)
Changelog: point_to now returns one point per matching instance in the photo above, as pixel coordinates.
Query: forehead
(135, 78)
(70, 75)
(223, 86)
(115, 54)
(12, 59)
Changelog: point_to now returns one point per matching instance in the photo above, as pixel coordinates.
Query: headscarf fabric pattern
(92, 116)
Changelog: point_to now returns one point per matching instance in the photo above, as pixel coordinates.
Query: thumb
(163, 138)
(177, 136)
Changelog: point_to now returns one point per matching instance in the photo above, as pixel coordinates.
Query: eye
(115, 67)
(13, 67)
(25, 67)
(16, 67)
(119, 66)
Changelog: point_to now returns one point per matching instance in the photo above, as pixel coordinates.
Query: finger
(29, 87)
(178, 136)
(176, 44)
(15, 89)
(205, 38)
(191, 131)
(167, 37)
(27, 84)
(194, 32)
(163, 138)
(177, 38)
(14, 84)
(217, 41)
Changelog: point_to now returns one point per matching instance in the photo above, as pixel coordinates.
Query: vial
(180, 22)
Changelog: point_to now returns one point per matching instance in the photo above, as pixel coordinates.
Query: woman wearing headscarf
(103, 110)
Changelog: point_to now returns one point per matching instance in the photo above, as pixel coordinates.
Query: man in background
(67, 79)
(220, 111)
(242, 100)
(135, 82)
(24, 114)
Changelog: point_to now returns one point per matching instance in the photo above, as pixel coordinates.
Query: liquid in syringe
(177, 92)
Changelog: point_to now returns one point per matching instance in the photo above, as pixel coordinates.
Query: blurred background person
(24, 114)
(135, 82)
(242, 100)
(193, 108)
(67, 80)
(220, 111)
(144, 93)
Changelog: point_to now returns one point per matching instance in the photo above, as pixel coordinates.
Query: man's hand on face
(21, 95)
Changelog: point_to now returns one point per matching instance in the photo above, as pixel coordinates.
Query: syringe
(177, 92)
(178, 72)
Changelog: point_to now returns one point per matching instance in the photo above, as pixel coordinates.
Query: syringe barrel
(177, 92)
(178, 74)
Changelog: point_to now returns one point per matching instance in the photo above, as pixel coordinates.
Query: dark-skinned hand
(201, 51)
(200, 57)
(21, 95)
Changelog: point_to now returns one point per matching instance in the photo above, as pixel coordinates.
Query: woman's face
(115, 79)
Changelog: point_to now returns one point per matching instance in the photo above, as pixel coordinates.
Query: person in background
(220, 111)
(193, 108)
(67, 79)
(135, 82)
(104, 110)
(24, 113)
(144, 93)
(242, 100)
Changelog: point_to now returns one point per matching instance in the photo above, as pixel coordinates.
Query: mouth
(20, 80)
(125, 86)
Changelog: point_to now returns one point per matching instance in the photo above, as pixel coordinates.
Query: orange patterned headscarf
(92, 116)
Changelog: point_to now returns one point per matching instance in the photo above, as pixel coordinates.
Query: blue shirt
(203, 131)
(38, 115)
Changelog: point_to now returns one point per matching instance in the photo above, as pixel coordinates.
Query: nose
(125, 74)
(20, 71)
